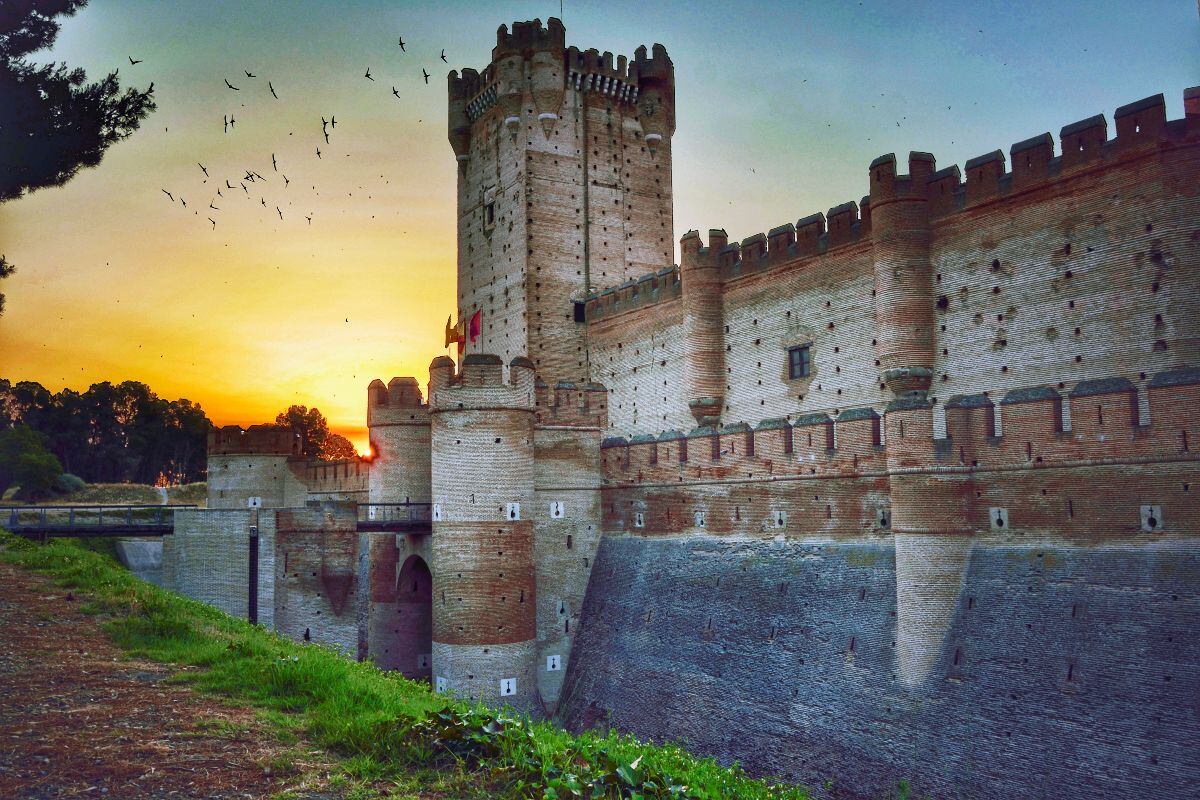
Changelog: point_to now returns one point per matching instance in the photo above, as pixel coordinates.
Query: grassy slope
(385, 724)
(125, 494)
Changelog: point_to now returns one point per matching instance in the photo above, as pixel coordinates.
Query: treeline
(112, 433)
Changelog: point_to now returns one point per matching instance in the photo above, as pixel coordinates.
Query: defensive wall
(962, 549)
(1070, 267)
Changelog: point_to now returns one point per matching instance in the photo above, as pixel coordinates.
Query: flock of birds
(251, 177)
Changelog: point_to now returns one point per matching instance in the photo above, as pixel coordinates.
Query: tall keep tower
(564, 185)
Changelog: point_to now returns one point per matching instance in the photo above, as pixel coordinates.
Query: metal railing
(90, 520)
(393, 516)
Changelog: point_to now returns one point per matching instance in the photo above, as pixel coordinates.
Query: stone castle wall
(1067, 269)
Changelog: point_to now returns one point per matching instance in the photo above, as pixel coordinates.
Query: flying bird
(248, 75)
(444, 55)
(309, 218)
(213, 221)
(319, 149)
(231, 86)
(426, 74)
(272, 88)
(402, 50)
(395, 93)
(280, 212)
(263, 200)
(201, 166)
(214, 208)
(326, 137)
(368, 74)
(273, 164)
(229, 185)
(333, 122)
(229, 122)
(285, 181)
(219, 192)
(183, 201)
(132, 62)
(168, 194)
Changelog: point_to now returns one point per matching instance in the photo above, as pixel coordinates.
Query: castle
(905, 490)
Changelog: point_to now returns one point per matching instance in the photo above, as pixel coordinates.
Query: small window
(489, 215)
(799, 362)
(580, 313)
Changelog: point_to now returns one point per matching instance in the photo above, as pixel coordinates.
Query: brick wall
(1063, 668)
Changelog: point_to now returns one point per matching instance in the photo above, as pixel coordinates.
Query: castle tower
(250, 468)
(564, 184)
(398, 424)
(931, 503)
(394, 582)
(703, 325)
(903, 276)
(484, 602)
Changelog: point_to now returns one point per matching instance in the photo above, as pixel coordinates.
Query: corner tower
(564, 185)
(484, 597)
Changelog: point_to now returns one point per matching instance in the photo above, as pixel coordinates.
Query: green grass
(125, 494)
(384, 726)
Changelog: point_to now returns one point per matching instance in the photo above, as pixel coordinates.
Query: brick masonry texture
(1064, 668)
(962, 550)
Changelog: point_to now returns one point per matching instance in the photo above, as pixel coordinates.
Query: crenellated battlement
(481, 384)
(342, 478)
(1092, 422)
(1141, 129)
(530, 35)
(397, 403)
(646, 290)
(551, 69)
(571, 405)
(264, 440)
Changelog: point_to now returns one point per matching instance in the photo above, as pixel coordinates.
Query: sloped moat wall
(1066, 672)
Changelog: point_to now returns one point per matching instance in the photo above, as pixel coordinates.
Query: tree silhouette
(316, 440)
(120, 432)
(6, 269)
(52, 122)
(338, 448)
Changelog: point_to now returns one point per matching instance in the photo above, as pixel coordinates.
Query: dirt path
(78, 720)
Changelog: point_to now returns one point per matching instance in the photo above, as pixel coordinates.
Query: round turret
(398, 424)
(458, 123)
(703, 326)
(484, 618)
(903, 276)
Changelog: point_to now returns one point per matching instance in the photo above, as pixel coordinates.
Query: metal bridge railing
(92, 517)
(394, 512)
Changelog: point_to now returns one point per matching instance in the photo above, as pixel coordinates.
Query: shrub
(25, 461)
(69, 484)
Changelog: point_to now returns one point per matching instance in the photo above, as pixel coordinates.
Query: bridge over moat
(93, 521)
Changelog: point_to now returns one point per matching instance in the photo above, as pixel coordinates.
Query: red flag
(476, 327)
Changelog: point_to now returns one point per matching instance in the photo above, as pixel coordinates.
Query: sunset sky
(781, 107)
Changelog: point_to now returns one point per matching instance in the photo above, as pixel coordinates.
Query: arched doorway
(413, 643)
